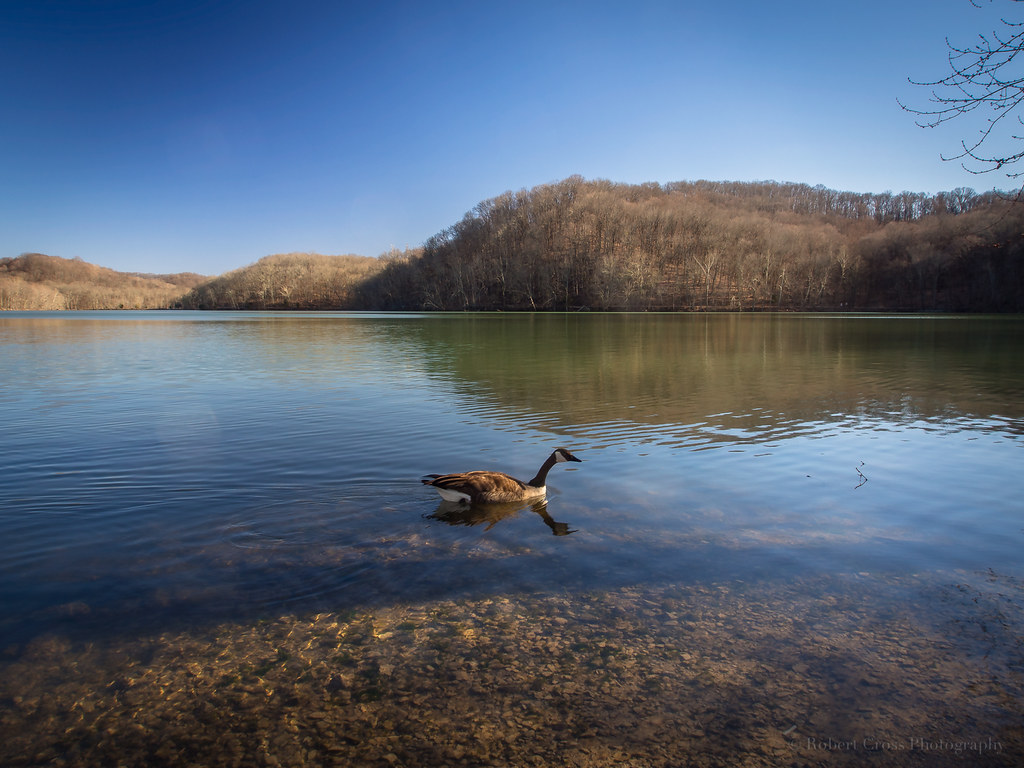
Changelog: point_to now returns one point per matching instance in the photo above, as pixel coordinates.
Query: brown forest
(716, 246)
(288, 281)
(579, 244)
(35, 281)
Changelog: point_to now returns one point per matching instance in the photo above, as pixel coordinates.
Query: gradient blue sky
(201, 135)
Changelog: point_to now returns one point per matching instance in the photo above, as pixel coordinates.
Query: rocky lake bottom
(835, 670)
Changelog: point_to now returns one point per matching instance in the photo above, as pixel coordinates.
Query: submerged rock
(735, 675)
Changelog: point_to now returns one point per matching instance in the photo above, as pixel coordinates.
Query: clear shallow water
(167, 468)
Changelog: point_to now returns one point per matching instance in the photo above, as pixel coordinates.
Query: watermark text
(912, 744)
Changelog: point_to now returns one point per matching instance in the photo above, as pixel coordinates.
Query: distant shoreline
(580, 245)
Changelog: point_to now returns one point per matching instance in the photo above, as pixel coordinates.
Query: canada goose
(482, 486)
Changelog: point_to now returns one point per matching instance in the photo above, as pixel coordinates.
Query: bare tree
(984, 76)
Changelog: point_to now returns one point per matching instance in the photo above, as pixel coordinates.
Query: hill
(288, 281)
(578, 244)
(37, 281)
(721, 246)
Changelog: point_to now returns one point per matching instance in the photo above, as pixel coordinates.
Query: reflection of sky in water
(239, 462)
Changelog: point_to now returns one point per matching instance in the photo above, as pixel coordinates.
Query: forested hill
(37, 281)
(289, 281)
(579, 244)
(720, 246)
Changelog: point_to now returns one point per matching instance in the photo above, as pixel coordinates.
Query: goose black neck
(540, 480)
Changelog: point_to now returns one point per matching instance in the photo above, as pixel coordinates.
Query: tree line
(578, 244)
(35, 281)
(298, 281)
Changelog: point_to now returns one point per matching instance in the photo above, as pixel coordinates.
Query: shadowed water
(169, 471)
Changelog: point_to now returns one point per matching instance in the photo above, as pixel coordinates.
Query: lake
(792, 539)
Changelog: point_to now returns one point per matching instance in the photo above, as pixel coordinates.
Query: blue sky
(201, 135)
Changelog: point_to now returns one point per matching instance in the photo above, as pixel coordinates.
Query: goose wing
(479, 484)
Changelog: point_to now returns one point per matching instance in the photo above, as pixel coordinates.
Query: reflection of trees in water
(762, 374)
(455, 513)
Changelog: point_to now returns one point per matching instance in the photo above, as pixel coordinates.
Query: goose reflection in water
(455, 513)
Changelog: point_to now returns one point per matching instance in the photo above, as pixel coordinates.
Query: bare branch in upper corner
(984, 76)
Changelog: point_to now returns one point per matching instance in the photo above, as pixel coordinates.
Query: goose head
(563, 454)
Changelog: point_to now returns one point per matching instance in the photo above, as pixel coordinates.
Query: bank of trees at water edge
(35, 281)
(717, 246)
(579, 244)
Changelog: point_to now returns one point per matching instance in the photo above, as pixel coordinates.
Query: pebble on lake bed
(707, 675)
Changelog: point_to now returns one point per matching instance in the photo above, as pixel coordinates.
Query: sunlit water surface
(166, 470)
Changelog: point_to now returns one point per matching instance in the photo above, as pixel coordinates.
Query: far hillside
(288, 281)
(577, 245)
(35, 281)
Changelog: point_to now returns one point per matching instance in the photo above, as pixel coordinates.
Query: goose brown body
(483, 486)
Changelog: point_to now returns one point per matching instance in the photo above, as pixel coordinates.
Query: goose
(486, 487)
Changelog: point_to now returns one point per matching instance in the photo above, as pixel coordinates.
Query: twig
(863, 477)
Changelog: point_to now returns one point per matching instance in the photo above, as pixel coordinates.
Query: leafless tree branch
(984, 76)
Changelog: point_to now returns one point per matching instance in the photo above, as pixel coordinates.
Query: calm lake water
(168, 471)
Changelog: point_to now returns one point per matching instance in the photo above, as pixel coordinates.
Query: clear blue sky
(201, 135)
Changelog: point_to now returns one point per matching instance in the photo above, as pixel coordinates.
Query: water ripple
(253, 464)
